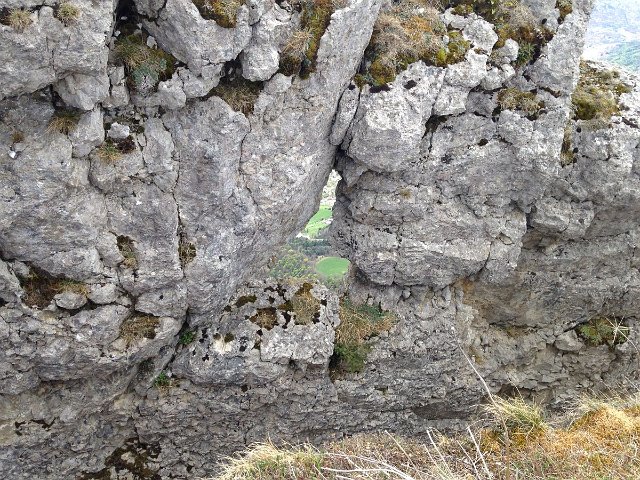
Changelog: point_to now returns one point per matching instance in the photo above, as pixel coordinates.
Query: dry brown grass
(266, 318)
(240, 94)
(137, 327)
(18, 19)
(305, 305)
(63, 122)
(127, 250)
(108, 152)
(68, 13)
(602, 444)
(40, 288)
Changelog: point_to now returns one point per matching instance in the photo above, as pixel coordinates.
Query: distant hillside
(614, 33)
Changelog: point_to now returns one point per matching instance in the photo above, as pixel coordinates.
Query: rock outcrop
(154, 154)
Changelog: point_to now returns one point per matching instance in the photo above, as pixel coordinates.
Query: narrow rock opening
(309, 256)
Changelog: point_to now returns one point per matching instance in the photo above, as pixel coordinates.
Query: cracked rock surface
(137, 337)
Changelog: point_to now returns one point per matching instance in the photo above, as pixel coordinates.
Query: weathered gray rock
(48, 52)
(88, 133)
(457, 215)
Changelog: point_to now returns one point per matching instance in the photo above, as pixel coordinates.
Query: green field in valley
(332, 267)
(319, 221)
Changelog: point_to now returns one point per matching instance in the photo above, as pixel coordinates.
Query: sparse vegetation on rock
(224, 12)
(358, 325)
(597, 95)
(18, 19)
(145, 66)
(518, 100)
(137, 327)
(68, 13)
(300, 52)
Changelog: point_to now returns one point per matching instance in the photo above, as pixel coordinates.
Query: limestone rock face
(139, 203)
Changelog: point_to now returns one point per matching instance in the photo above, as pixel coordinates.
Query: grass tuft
(127, 250)
(145, 66)
(520, 418)
(109, 152)
(224, 12)
(68, 13)
(597, 94)
(239, 93)
(265, 461)
(63, 121)
(18, 19)
(305, 305)
(137, 327)
(301, 50)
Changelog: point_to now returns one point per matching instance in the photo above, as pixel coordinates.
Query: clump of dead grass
(18, 19)
(137, 327)
(239, 93)
(63, 121)
(305, 305)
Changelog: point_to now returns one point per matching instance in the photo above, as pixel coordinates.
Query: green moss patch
(406, 32)
(597, 94)
(604, 330)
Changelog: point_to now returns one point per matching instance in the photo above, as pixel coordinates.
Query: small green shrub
(517, 100)
(162, 380)
(187, 337)
(224, 12)
(603, 330)
(145, 66)
(351, 357)
(18, 19)
(68, 13)
(526, 54)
